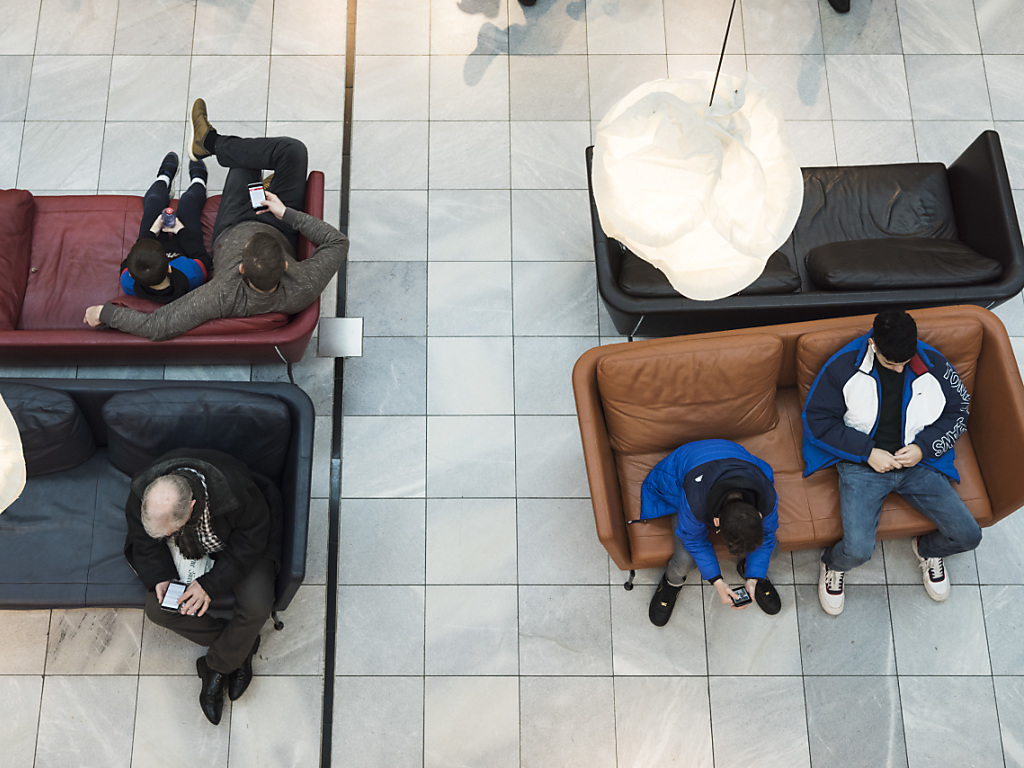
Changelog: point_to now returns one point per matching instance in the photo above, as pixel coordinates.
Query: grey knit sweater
(228, 295)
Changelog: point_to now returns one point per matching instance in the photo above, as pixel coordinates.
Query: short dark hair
(263, 261)
(895, 335)
(741, 527)
(147, 262)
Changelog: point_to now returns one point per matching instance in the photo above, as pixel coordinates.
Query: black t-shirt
(889, 435)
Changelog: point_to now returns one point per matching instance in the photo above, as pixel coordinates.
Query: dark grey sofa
(62, 542)
(907, 235)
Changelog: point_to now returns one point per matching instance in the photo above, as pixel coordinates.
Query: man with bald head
(208, 503)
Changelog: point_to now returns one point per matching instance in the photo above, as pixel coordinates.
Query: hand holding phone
(257, 196)
(742, 597)
(174, 592)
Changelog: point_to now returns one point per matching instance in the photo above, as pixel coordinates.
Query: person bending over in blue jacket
(886, 410)
(714, 485)
(165, 263)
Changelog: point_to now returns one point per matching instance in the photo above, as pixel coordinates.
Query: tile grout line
(337, 418)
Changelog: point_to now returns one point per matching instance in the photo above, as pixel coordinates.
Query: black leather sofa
(62, 541)
(908, 235)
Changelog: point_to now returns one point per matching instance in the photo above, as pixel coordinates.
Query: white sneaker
(830, 590)
(933, 572)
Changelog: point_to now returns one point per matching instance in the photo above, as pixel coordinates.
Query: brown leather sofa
(638, 401)
(62, 253)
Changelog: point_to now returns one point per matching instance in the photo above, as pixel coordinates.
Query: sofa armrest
(985, 215)
(314, 207)
(996, 423)
(602, 475)
(295, 492)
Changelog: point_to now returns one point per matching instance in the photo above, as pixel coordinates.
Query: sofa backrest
(868, 202)
(959, 339)
(655, 399)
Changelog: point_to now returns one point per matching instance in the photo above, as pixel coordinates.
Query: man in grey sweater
(254, 266)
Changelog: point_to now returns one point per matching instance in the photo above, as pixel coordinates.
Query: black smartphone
(174, 591)
(742, 597)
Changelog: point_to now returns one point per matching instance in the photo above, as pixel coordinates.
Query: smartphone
(742, 597)
(257, 196)
(175, 590)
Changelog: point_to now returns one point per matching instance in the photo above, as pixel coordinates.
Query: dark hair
(895, 335)
(740, 524)
(263, 261)
(147, 262)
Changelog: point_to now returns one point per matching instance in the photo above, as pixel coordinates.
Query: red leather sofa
(62, 253)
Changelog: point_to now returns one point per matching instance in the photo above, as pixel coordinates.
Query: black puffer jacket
(245, 511)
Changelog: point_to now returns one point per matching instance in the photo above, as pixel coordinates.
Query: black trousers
(245, 159)
(229, 640)
(190, 207)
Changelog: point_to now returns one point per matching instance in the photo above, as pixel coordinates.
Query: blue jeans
(861, 493)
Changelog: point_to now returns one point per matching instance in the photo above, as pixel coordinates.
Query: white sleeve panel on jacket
(927, 401)
(861, 395)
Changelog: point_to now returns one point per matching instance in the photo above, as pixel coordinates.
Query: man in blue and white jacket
(714, 485)
(886, 409)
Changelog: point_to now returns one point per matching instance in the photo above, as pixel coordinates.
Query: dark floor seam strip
(334, 503)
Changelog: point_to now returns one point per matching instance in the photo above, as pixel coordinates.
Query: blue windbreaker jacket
(680, 484)
(840, 416)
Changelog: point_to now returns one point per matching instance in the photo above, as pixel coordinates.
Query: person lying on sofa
(207, 503)
(714, 485)
(886, 410)
(255, 269)
(165, 263)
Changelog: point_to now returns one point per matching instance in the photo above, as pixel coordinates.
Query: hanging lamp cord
(721, 56)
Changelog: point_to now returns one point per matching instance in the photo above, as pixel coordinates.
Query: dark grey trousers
(229, 640)
(245, 158)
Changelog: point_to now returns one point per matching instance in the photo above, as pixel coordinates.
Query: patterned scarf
(197, 538)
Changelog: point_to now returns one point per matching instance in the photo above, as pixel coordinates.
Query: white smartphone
(174, 591)
(257, 196)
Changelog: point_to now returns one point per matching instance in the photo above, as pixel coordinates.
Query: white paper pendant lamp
(12, 460)
(705, 194)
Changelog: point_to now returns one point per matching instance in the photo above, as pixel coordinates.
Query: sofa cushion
(657, 397)
(642, 279)
(957, 337)
(17, 210)
(222, 326)
(893, 263)
(54, 433)
(868, 202)
(145, 424)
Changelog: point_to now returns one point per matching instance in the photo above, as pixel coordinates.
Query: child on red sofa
(165, 263)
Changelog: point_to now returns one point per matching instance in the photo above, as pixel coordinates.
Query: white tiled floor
(479, 622)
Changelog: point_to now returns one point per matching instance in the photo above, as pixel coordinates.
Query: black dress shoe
(765, 594)
(211, 698)
(239, 680)
(663, 602)
(841, 6)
